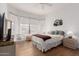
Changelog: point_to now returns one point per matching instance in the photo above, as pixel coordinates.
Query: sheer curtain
(15, 28)
(22, 26)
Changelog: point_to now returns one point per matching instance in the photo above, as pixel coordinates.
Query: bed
(46, 44)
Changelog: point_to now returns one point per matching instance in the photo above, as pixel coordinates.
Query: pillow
(57, 32)
(52, 32)
(61, 32)
(57, 36)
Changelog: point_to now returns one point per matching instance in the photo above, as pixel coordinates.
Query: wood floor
(27, 49)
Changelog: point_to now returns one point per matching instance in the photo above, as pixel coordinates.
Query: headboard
(57, 32)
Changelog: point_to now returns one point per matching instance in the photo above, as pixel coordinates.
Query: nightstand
(70, 42)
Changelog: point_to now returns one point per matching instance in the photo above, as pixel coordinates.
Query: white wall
(3, 7)
(69, 13)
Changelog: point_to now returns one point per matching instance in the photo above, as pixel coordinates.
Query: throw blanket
(44, 37)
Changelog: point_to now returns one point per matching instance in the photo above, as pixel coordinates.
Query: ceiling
(36, 8)
(39, 8)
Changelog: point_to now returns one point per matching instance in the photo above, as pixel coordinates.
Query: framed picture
(58, 22)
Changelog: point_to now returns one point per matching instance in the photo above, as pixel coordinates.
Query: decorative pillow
(61, 32)
(52, 32)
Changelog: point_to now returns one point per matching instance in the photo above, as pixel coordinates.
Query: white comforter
(48, 44)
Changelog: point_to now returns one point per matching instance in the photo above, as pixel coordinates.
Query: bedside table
(70, 42)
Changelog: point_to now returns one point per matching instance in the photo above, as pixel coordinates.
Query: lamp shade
(70, 33)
